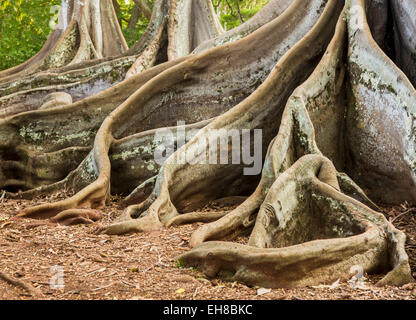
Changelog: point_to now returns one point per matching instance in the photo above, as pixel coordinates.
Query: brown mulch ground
(142, 266)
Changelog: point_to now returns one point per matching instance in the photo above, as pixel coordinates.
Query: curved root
(314, 235)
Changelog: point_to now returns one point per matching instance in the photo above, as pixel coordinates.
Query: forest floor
(142, 266)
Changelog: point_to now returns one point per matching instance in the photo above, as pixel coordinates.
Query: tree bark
(190, 24)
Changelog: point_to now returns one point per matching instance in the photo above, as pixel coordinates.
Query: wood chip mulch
(142, 266)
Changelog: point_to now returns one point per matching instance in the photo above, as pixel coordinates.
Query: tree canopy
(234, 12)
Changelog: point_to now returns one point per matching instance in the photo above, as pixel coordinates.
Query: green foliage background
(24, 24)
(24, 27)
(228, 11)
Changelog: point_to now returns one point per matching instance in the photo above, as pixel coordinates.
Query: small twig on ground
(5, 224)
(95, 271)
(100, 288)
(128, 283)
(160, 263)
(196, 292)
(402, 214)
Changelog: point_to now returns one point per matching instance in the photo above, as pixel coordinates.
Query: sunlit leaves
(234, 12)
(24, 27)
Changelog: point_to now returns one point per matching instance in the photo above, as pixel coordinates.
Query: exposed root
(68, 218)
(320, 114)
(288, 245)
(93, 196)
(141, 193)
(32, 291)
(146, 224)
(77, 216)
(196, 217)
(174, 178)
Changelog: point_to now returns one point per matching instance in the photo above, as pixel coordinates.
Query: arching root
(208, 181)
(307, 232)
(93, 196)
(69, 217)
(145, 224)
(207, 215)
(77, 216)
(196, 217)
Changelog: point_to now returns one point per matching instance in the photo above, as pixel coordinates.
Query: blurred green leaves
(24, 27)
(234, 12)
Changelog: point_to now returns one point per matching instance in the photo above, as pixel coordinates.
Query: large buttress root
(307, 232)
(309, 229)
(185, 187)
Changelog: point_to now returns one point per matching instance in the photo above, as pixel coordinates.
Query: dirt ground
(142, 266)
